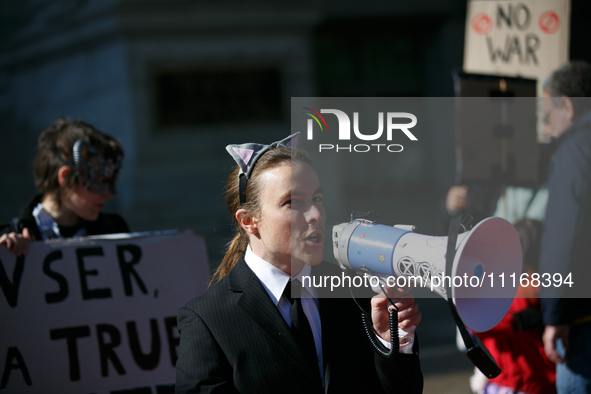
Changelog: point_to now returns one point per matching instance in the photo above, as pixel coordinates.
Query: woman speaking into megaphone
(257, 329)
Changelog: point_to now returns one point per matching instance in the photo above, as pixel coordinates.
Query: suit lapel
(256, 303)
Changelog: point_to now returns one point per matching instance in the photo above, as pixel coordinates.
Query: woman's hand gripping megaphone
(409, 315)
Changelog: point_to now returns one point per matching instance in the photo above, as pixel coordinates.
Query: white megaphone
(484, 255)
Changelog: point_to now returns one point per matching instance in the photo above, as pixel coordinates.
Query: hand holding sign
(16, 243)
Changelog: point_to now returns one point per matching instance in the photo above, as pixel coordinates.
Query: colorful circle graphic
(482, 23)
(549, 22)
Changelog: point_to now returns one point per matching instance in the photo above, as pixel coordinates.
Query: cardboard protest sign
(516, 38)
(94, 314)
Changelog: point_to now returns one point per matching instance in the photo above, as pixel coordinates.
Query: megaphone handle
(380, 288)
(372, 336)
(375, 342)
(401, 333)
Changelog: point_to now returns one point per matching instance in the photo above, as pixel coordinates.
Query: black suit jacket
(233, 339)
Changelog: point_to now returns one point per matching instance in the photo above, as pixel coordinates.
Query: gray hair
(574, 81)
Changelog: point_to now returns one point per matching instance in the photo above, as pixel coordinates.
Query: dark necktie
(300, 327)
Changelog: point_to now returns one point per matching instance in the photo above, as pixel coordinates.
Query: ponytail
(236, 249)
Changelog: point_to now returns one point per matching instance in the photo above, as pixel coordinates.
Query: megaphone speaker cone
(491, 249)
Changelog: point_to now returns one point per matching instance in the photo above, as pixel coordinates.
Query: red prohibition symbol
(482, 23)
(549, 22)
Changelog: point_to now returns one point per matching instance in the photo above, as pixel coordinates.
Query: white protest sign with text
(88, 315)
(526, 39)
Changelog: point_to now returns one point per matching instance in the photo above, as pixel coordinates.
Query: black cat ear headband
(246, 156)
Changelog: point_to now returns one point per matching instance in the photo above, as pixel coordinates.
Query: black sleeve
(119, 225)
(108, 223)
(5, 228)
(401, 375)
(201, 367)
(20, 224)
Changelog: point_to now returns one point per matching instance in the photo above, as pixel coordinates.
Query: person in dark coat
(566, 246)
(75, 169)
(246, 334)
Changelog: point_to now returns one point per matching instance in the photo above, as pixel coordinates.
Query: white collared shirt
(274, 281)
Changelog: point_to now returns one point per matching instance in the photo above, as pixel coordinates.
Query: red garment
(520, 354)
